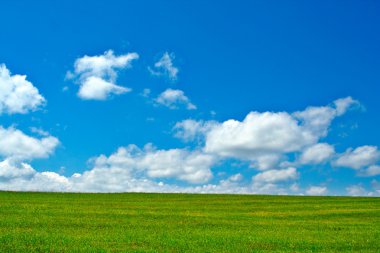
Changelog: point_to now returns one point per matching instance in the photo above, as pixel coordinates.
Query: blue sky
(190, 96)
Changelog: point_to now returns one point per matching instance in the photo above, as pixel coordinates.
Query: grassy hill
(64, 222)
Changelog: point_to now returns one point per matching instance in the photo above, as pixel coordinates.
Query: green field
(65, 222)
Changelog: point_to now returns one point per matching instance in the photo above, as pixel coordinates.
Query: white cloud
(112, 181)
(189, 130)
(98, 89)
(316, 120)
(128, 170)
(173, 99)
(316, 154)
(358, 158)
(116, 177)
(356, 190)
(17, 145)
(258, 133)
(18, 95)
(189, 166)
(39, 131)
(261, 138)
(266, 161)
(236, 177)
(274, 176)
(9, 170)
(316, 190)
(17, 176)
(294, 187)
(371, 171)
(103, 65)
(146, 92)
(272, 189)
(97, 74)
(193, 167)
(165, 66)
(264, 138)
(376, 187)
(131, 169)
(343, 104)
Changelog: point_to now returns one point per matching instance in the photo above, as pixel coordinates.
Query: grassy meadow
(72, 222)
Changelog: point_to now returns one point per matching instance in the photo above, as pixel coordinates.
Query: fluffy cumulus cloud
(96, 88)
(343, 104)
(190, 130)
(16, 145)
(373, 170)
(173, 99)
(119, 173)
(165, 67)
(182, 164)
(18, 95)
(274, 176)
(376, 187)
(110, 174)
(131, 169)
(267, 141)
(316, 190)
(356, 190)
(128, 169)
(265, 137)
(360, 190)
(317, 120)
(317, 154)
(257, 135)
(97, 75)
(363, 159)
(17, 176)
(8, 170)
(359, 157)
(275, 181)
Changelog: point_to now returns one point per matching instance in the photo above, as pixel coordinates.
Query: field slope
(65, 222)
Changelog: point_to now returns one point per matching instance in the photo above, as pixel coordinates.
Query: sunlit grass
(62, 222)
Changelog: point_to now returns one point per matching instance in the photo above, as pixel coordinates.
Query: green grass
(64, 222)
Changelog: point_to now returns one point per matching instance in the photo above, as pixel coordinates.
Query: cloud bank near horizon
(277, 145)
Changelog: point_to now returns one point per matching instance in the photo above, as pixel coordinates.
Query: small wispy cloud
(173, 99)
(146, 93)
(165, 67)
(97, 75)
